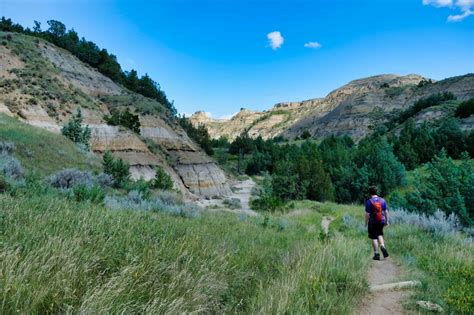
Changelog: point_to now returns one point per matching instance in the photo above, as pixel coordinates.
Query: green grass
(60, 256)
(42, 151)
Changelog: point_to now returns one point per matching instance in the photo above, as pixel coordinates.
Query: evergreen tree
(73, 130)
(450, 136)
(439, 189)
(117, 168)
(466, 189)
(384, 170)
(424, 144)
(162, 180)
(403, 146)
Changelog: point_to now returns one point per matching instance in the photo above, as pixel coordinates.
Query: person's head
(373, 190)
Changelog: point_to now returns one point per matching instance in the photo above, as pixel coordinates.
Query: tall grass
(42, 151)
(60, 256)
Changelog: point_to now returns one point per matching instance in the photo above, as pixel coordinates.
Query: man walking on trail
(376, 217)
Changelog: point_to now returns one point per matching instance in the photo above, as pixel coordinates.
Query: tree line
(338, 169)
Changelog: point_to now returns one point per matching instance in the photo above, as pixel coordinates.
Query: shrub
(92, 193)
(162, 180)
(233, 203)
(117, 168)
(445, 186)
(73, 130)
(125, 119)
(135, 201)
(305, 135)
(7, 148)
(69, 178)
(104, 180)
(438, 223)
(465, 109)
(169, 197)
(11, 167)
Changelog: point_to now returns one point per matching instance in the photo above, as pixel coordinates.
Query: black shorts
(375, 230)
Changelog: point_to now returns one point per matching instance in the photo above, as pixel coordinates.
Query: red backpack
(377, 214)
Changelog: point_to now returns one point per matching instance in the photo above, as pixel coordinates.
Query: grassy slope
(42, 151)
(83, 257)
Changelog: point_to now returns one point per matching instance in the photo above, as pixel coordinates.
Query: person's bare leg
(381, 242)
(382, 247)
(375, 245)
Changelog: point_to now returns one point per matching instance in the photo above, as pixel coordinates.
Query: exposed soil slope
(43, 85)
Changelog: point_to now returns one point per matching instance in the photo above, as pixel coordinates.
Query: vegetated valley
(110, 202)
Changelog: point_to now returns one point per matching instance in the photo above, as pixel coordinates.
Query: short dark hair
(373, 190)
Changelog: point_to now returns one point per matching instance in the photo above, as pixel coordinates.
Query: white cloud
(275, 40)
(313, 45)
(438, 3)
(465, 6)
(460, 17)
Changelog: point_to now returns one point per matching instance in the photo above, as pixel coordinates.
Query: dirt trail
(242, 190)
(325, 223)
(383, 301)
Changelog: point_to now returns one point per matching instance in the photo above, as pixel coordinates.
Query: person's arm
(367, 213)
(386, 213)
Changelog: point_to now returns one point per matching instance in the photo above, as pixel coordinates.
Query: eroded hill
(354, 109)
(43, 85)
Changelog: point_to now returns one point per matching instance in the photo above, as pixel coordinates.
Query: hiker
(376, 217)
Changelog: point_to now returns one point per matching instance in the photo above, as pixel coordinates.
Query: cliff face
(350, 110)
(43, 85)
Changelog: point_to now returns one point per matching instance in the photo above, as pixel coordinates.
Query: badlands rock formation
(43, 85)
(351, 110)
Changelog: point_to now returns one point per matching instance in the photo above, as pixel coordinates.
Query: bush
(162, 180)
(233, 203)
(91, 193)
(305, 135)
(465, 109)
(125, 119)
(73, 130)
(69, 178)
(438, 223)
(117, 168)
(266, 200)
(445, 186)
(135, 201)
(11, 167)
(104, 180)
(7, 148)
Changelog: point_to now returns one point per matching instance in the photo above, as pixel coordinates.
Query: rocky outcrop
(66, 83)
(354, 109)
(362, 104)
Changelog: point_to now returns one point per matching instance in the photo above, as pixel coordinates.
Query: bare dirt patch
(384, 301)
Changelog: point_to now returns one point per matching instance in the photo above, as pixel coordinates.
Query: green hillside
(42, 151)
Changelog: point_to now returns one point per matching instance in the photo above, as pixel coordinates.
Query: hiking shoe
(376, 256)
(384, 252)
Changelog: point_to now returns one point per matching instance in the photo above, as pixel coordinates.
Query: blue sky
(215, 55)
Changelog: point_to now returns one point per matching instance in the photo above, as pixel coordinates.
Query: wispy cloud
(465, 6)
(313, 45)
(438, 3)
(275, 40)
